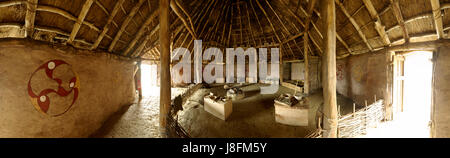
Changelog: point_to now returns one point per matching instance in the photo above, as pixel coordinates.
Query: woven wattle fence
(356, 124)
(175, 130)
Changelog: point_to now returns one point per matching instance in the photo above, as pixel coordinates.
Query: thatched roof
(130, 27)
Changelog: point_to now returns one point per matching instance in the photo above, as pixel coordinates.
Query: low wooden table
(219, 109)
(296, 115)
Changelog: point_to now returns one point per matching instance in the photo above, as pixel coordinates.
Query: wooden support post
(164, 38)
(306, 62)
(305, 46)
(354, 109)
(329, 71)
(389, 86)
(139, 80)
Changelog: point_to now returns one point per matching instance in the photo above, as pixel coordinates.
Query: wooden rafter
(209, 12)
(292, 13)
(65, 14)
(259, 23)
(437, 17)
(215, 25)
(284, 27)
(30, 17)
(125, 24)
(77, 25)
(146, 39)
(240, 20)
(378, 26)
(189, 27)
(12, 3)
(231, 27)
(398, 15)
(268, 19)
(250, 24)
(141, 32)
(201, 18)
(343, 43)
(355, 25)
(108, 22)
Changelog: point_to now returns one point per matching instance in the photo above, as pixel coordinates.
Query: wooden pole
(305, 56)
(164, 38)
(306, 82)
(139, 80)
(329, 71)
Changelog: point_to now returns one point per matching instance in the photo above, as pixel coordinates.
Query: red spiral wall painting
(41, 100)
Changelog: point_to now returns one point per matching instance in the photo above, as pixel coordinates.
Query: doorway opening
(414, 82)
(412, 93)
(413, 73)
(149, 80)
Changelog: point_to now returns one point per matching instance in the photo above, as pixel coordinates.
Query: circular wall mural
(53, 87)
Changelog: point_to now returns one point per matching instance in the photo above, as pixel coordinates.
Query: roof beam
(190, 29)
(12, 3)
(250, 24)
(437, 17)
(259, 23)
(108, 23)
(76, 27)
(240, 21)
(355, 25)
(146, 39)
(141, 31)
(30, 17)
(268, 19)
(125, 24)
(303, 25)
(398, 15)
(378, 26)
(65, 14)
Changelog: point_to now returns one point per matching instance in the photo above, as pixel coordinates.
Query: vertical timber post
(305, 51)
(329, 70)
(139, 79)
(164, 38)
(281, 65)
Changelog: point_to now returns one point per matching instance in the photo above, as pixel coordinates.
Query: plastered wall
(58, 91)
(361, 77)
(441, 92)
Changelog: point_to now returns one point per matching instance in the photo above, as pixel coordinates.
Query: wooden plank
(108, 23)
(437, 17)
(125, 24)
(76, 27)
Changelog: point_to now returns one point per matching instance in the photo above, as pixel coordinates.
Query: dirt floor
(139, 120)
(252, 116)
